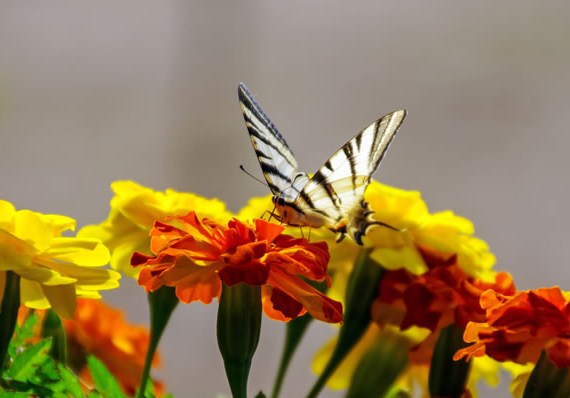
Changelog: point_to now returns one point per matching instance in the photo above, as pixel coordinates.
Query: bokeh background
(95, 92)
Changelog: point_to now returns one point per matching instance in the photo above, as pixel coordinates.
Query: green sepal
(546, 380)
(448, 378)
(380, 366)
(238, 330)
(361, 291)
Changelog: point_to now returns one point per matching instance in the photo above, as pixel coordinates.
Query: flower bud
(238, 330)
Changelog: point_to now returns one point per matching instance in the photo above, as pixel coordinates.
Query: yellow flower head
(134, 209)
(54, 269)
(443, 232)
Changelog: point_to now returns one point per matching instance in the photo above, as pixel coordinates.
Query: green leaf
(12, 387)
(70, 381)
(23, 333)
(104, 381)
(5, 394)
(26, 363)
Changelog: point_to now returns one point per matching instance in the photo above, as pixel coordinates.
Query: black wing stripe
(307, 199)
(254, 131)
(261, 154)
(274, 172)
(347, 149)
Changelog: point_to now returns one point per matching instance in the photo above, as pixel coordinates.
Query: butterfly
(334, 196)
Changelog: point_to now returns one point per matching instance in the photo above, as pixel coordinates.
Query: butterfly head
(278, 200)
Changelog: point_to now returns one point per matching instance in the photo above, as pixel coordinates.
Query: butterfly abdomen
(291, 214)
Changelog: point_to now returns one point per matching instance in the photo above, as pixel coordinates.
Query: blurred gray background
(92, 93)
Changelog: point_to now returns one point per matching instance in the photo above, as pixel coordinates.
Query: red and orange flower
(443, 295)
(196, 256)
(519, 327)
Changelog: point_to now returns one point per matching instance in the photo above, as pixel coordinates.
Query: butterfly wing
(336, 191)
(275, 158)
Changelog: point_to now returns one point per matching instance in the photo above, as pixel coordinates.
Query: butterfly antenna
(252, 176)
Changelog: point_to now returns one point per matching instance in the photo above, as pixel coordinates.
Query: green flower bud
(238, 330)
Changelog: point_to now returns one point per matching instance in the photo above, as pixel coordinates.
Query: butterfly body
(334, 196)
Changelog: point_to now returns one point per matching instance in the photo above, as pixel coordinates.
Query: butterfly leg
(272, 214)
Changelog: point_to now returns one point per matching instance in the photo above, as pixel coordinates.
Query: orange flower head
(102, 331)
(443, 295)
(519, 327)
(195, 256)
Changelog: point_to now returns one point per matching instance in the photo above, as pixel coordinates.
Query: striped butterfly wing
(275, 158)
(336, 191)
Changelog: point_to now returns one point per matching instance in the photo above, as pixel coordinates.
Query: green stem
(8, 313)
(161, 305)
(361, 291)
(295, 330)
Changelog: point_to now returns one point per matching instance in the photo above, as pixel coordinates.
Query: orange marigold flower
(520, 326)
(102, 331)
(196, 256)
(444, 295)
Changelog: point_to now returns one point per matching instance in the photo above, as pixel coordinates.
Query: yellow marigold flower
(134, 209)
(443, 232)
(54, 269)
